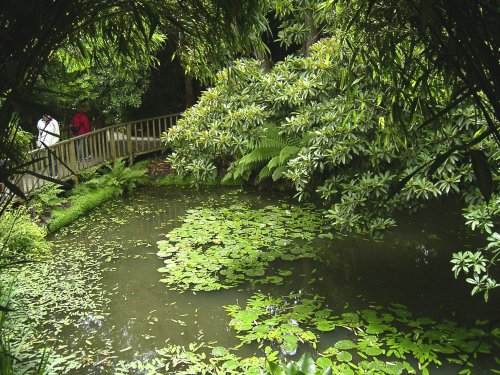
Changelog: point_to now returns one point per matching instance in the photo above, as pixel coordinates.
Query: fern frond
(274, 162)
(273, 132)
(229, 176)
(272, 143)
(288, 152)
(264, 172)
(259, 155)
(279, 172)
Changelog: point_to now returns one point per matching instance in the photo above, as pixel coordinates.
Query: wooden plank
(102, 145)
(94, 148)
(148, 139)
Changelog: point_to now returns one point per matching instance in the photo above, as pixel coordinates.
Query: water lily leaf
(254, 272)
(323, 362)
(373, 351)
(273, 280)
(425, 321)
(219, 351)
(350, 318)
(345, 344)
(284, 272)
(375, 329)
(325, 326)
(282, 242)
(323, 314)
(344, 357)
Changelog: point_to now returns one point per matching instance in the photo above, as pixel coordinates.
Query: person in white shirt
(48, 135)
(48, 131)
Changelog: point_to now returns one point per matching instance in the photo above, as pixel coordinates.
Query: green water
(136, 313)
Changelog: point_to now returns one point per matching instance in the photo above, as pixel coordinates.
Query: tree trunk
(264, 59)
(189, 90)
(312, 36)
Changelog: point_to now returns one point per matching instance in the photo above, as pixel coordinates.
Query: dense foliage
(20, 237)
(324, 123)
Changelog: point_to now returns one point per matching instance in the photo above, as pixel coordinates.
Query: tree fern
(274, 148)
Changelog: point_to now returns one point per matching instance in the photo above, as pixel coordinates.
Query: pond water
(128, 312)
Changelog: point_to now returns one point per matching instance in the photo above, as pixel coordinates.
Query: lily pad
(345, 344)
(344, 357)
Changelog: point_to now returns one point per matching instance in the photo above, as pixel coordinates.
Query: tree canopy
(40, 37)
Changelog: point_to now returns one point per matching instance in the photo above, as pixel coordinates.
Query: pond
(108, 303)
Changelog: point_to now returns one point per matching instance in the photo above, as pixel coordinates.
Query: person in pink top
(80, 125)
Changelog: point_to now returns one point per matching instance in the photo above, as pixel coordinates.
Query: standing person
(80, 125)
(48, 131)
(48, 135)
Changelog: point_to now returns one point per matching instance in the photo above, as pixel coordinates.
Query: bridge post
(72, 156)
(129, 144)
(112, 143)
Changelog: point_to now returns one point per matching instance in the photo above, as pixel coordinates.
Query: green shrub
(46, 198)
(20, 237)
(89, 174)
(120, 176)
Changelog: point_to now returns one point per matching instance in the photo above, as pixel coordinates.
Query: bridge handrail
(110, 127)
(125, 140)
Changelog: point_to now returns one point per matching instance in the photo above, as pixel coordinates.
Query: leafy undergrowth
(222, 247)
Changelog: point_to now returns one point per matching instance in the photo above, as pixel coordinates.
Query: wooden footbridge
(127, 140)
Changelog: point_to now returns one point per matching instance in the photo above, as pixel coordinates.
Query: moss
(80, 205)
(143, 164)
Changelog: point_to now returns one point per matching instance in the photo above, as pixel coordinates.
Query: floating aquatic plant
(285, 321)
(221, 247)
(196, 358)
(378, 340)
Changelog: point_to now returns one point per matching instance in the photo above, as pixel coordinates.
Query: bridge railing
(98, 147)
